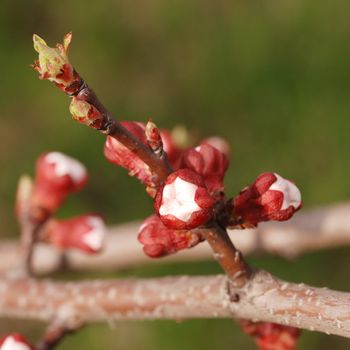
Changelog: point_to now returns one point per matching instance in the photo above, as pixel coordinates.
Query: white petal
(11, 344)
(291, 193)
(179, 200)
(94, 237)
(65, 165)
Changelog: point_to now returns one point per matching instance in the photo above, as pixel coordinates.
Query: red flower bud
(270, 197)
(154, 140)
(158, 240)
(219, 143)
(84, 232)
(184, 202)
(118, 154)
(208, 162)
(14, 341)
(57, 175)
(173, 151)
(272, 336)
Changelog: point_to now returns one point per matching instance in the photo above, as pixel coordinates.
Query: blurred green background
(272, 77)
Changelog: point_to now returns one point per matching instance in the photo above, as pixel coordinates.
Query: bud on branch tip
(53, 63)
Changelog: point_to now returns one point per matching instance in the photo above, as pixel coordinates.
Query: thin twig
(54, 334)
(230, 259)
(31, 221)
(110, 126)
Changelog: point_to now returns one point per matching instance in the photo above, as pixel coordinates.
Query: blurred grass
(272, 77)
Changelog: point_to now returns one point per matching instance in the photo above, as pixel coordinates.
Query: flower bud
(270, 197)
(14, 341)
(57, 175)
(53, 63)
(85, 233)
(154, 140)
(272, 336)
(220, 144)
(118, 154)
(85, 113)
(184, 202)
(158, 240)
(208, 162)
(173, 151)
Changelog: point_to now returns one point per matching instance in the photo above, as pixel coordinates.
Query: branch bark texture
(263, 298)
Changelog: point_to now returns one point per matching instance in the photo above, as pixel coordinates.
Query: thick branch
(263, 298)
(313, 230)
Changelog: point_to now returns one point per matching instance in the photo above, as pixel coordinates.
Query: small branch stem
(53, 335)
(158, 166)
(31, 221)
(113, 128)
(230, 259)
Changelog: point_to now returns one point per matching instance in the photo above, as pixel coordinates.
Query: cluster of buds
(191, 196)
(53, 64)
(270, 197)
(159, 240)
(186, 199)
(272, 336)
(184, 202)
(14, 341)
(85, 233)
(57, 176)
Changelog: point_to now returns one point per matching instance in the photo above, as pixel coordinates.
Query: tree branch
(110, 126)
(230, 259)
(316, 229)
(263, 298)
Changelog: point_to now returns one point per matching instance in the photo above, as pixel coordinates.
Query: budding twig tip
(24, 189)
(67, 39)
(38, 42)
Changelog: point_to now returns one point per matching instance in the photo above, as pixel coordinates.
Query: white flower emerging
(291, 193)
(65, 165)
(11, 344)
(94, 238)
(179, 200)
